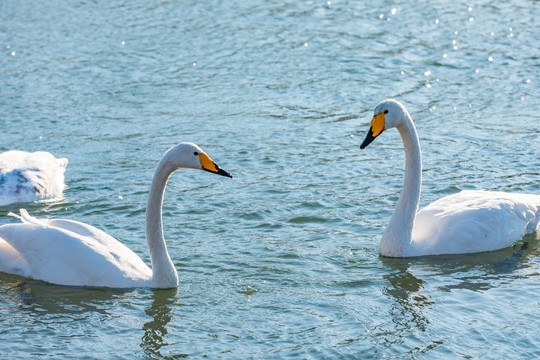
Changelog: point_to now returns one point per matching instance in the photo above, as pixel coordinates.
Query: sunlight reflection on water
(283, 260)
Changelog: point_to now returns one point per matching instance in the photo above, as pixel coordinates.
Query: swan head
(388, 113)
(189, 155)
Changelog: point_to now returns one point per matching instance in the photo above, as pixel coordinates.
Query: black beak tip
(368, 140)
(219, 171)
(224, 173)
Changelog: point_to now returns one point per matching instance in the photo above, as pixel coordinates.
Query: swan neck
(164, 274)
(397, 238)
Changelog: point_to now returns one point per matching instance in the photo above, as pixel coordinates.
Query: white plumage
(68, 252)
(466, 222)
(474, 221)
(28, 177)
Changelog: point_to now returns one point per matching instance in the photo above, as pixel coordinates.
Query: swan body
(68, 252)
(28, 177)
(466, 222)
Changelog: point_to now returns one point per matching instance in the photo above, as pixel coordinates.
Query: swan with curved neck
(466, 222)
(68, 252)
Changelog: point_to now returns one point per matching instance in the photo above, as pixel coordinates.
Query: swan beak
(209, 165)
(376, 128)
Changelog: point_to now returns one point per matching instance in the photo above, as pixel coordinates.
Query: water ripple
(282, 261)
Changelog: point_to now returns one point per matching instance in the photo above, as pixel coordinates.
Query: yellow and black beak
(376, 128)
(210, 166)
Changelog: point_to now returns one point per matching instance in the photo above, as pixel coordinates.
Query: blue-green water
(282, 261)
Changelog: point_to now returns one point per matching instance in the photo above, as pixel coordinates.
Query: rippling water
(282, 261)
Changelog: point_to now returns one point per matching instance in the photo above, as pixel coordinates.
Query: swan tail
(15, 215)
(25, 217)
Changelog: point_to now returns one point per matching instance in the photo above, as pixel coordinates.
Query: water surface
(282, 261)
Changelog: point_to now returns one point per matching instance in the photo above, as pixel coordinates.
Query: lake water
(281, 261)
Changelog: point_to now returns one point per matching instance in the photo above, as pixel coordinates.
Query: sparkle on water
(282, 261)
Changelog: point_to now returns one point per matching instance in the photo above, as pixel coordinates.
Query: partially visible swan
(28, 177)
(466, 222)
(68, 252)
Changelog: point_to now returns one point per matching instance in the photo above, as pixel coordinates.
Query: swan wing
(475, 221)
(68, 252)
(74, 226)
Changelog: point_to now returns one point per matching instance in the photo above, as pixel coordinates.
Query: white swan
(28, 177)
(466, 222)
(68, 252)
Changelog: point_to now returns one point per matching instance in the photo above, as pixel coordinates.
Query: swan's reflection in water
(410, 302)
(39, 298)
(46, 305)
(474, 272)
(155, 330)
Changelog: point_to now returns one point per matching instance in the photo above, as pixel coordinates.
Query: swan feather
(28, 177)
(83, 255)
(474, 221)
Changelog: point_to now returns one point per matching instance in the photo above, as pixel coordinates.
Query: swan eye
(195, 153)
(386, 111)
